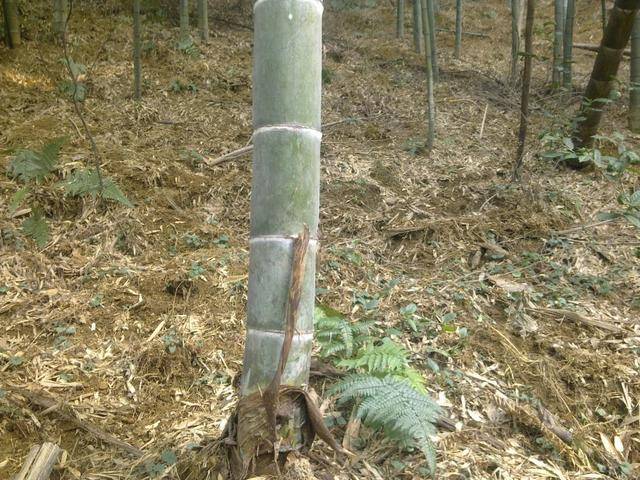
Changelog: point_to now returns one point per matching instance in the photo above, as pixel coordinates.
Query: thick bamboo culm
(515, 40)
(60, 9)
(605, 69)
(203, 20)
(184, 20)
(11, 23)
(285, 187)
(431, 13)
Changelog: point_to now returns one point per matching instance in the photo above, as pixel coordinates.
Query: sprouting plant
(178, 86)
(366, 300)
(33, 167)
(193, 240)
(196, 270)
(171, 341)
(222, 241)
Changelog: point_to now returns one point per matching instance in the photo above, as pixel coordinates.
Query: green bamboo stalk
(284, 198)
(603, 12)
(60, 9)
(417, 26)
(137, 41)
(11, 23)
(399, 18)
(432, 40)
(556, 74)
(458, 45)
(431, 107)
(634, 80)
(567, 53)
(184, 21)
(515, 40)
(203, 20)
(605, 69)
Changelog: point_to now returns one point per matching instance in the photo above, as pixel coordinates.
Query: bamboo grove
(618, 28)
(276, 414)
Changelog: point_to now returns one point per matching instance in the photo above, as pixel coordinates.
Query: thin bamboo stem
(137, 68)
(431, 108)
(458, 44)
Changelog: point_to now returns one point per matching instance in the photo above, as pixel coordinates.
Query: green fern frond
(395, 406)
(413, 378)
(30, 165)
(384, 358)
(36, 227)
(333, 328)
(87, 182)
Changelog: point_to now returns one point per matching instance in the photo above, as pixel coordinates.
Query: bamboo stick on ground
(39, 462)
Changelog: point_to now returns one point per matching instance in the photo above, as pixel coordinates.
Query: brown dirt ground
(408, 216)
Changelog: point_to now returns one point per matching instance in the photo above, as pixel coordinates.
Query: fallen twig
(471, 34)
(596, 48)
(578, 318)
(69, 415)
(249, 148)
(585, 226)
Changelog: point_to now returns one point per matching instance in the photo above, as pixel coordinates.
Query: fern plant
(390, 393)
(336, 336)
(33, 167)
(386, 358)
(390, 404)
(87, 182)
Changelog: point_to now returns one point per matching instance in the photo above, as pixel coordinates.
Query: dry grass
(121, 278)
